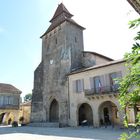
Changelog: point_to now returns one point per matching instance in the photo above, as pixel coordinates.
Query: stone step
(42, 124)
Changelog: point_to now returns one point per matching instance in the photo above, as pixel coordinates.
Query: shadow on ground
(80, 132)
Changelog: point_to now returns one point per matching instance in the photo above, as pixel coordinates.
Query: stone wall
(37, 96)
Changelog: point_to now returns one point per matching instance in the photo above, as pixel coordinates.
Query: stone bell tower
(62, 46)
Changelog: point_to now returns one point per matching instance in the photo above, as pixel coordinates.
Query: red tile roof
(7, 88)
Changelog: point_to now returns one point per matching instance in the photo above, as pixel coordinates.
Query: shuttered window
(96, 84)
(78, 85)
(114, 80)
(114, 76)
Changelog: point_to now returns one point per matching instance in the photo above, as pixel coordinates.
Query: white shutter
(91, 82)
(107, 82)
(107, 79)
(81, 84)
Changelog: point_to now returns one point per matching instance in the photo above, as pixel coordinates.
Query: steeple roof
(61, 15)
(61, 9)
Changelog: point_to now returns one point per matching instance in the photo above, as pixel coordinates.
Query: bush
(21, 119)
(14, 124)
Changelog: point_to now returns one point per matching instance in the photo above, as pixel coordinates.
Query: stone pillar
(16, 116)
(96, 120)
(63, 114)
(121, 116)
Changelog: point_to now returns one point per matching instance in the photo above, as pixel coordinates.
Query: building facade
(25, 112)
(9, 103)
(94, 94)
(70, 84)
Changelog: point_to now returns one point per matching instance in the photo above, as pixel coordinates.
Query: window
(95, 84)
(78, 85)
(113, 80)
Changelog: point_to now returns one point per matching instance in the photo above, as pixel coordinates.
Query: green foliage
(21, 119)
(130, 84)
(134, 23)
(28, 97)
(14, 124)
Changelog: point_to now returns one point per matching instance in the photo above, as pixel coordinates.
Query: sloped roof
(8, 88)
(97, 66)
(135, 4)
(61, 9)
(64, 15)
(54, 25)
(100, 55)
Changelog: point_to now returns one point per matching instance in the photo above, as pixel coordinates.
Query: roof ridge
(61, 9)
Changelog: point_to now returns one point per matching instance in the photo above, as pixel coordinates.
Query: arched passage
(54, 111)
(1, 117)
(108, 113)
(7, 118)
(85, 113)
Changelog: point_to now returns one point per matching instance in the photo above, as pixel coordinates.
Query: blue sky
(22, 22)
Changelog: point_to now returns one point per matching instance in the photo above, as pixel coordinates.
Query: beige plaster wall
(76, 99)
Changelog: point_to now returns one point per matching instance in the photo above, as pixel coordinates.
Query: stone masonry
(62, 47)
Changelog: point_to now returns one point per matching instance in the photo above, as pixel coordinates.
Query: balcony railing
(102, 90)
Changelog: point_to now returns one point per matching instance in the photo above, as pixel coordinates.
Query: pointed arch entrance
(54, 111)
(85, 114)
(108, 113)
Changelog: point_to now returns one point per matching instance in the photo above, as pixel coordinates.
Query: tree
(28, 97)
(130, 84)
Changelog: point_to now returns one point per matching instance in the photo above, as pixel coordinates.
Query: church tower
(62, 47)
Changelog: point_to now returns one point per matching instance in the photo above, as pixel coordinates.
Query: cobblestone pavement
(40, 133)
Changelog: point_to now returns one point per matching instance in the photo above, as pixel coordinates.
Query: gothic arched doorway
(108, 113)
(85, 114)
(54, 111)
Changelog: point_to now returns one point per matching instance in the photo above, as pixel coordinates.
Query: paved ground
(40, 133)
